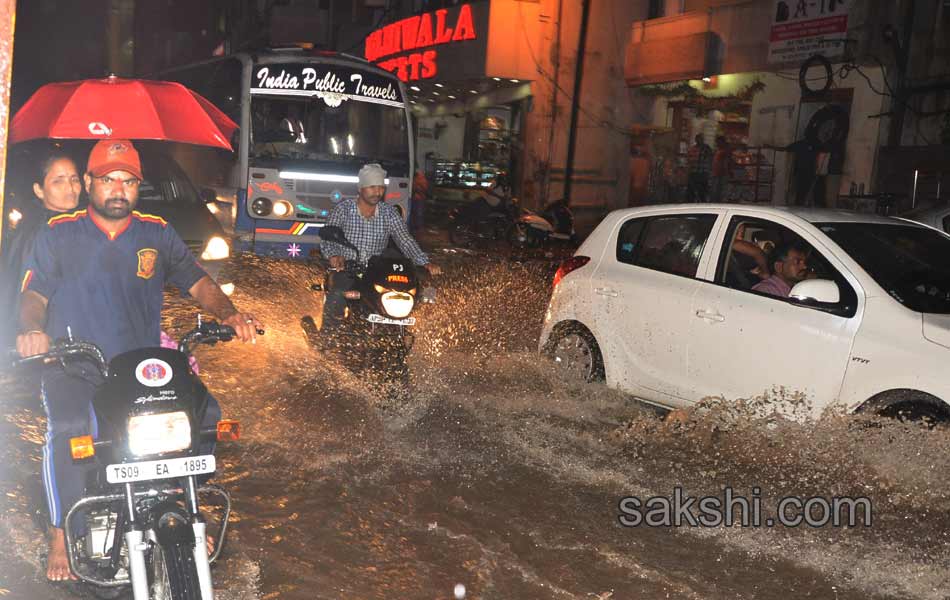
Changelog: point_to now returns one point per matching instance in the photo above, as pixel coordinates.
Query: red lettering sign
(428, 64)
(464, 27)
(442, 34)
(425, 31)
(417, 33)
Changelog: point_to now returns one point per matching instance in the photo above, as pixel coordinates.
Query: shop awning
(691, 56)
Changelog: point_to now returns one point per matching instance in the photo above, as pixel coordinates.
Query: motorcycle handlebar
(208, 332)
(63, 350)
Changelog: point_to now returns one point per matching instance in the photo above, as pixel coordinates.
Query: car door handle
(710, 316)
(605, 291)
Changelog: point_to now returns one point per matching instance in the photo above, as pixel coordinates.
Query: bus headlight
(397, 305)
(160, 433)
(217, 249)
(261, 206)
(282, 208)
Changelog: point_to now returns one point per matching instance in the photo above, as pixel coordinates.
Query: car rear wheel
(576, 353)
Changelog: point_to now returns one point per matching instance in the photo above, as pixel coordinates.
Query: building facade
(492, 84)
(834, 134)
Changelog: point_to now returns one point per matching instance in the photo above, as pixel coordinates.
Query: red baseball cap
(114, 155)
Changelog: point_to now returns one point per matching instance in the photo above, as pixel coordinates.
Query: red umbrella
(96, 109)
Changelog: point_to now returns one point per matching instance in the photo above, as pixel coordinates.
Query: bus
(308, 121)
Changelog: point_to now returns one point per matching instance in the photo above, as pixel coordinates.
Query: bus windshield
(285, 127)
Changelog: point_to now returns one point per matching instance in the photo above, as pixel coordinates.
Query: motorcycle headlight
(397, 304)
(159, 433)
(217, 249)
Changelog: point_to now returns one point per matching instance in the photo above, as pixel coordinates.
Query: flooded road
(499, 476)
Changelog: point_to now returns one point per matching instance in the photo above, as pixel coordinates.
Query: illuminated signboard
(448, 43)
(332, 83)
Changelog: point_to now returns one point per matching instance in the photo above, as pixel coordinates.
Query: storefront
(468, 104)
(491, 83)
(724, 85)
(768, 143)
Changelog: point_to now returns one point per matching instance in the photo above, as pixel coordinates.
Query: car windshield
(911, 263)
(308, 128)
(164, 182)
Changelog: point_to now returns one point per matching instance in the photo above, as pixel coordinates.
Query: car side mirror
(824, 291)
(208, 195)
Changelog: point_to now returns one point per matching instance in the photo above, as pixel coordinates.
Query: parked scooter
(138, 523)
(376, 330)
(554, 224)
(483, 220)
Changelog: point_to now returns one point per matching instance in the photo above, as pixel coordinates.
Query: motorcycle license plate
(160, 469)
(374, 318)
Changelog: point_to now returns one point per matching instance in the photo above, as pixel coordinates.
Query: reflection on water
(502, 477)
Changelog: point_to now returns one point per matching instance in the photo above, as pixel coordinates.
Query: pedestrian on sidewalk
(699, 159)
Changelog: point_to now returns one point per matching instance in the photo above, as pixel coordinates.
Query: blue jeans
(334, 304)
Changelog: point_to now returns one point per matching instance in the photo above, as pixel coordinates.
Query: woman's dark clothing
(16, 247)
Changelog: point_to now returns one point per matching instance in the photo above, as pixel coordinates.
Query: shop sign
(802, 28)
(412, 47)
(332, 83)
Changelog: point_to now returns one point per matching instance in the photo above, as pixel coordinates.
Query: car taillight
(574, 262)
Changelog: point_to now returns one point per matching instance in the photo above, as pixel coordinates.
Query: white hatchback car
(659, 302)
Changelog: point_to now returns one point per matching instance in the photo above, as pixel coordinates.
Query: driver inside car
(789, 266)
(369, 224)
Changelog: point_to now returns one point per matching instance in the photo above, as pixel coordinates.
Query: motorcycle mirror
(332, 233)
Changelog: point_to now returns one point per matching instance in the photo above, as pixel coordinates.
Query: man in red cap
(101, 272)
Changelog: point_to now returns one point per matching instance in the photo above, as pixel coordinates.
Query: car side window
(148, 192)
(946, 224)
(628, 239)
(671, 244)
(768, 259)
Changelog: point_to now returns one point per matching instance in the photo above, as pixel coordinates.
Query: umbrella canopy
(95, 109)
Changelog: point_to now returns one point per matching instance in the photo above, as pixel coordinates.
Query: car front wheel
(576, 354)
(910, 406)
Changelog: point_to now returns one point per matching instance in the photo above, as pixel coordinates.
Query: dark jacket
(16, 247)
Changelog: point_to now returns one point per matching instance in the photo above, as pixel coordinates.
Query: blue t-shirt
(108, 288)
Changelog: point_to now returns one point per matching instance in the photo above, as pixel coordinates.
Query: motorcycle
(520, 227)
(478, 221)
(555, 223)
(138, 523)
(376, 330)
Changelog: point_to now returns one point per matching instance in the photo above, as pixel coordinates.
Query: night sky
(56, 40)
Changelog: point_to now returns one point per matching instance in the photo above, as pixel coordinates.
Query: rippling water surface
(500, 476)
